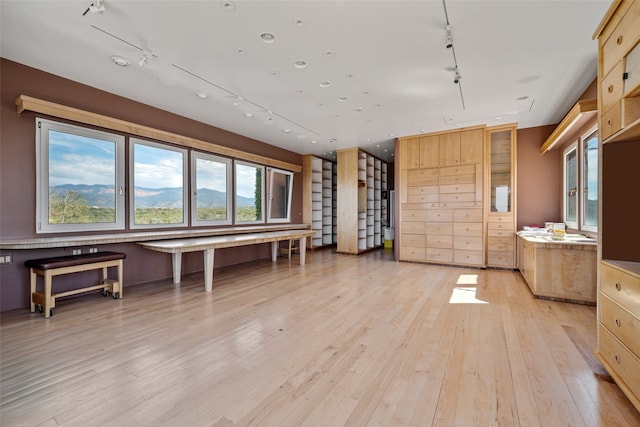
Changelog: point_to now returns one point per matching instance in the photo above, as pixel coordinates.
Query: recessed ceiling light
(300, 63)
(228, 6)
(299, 22)
(368, 139)
(357, 110)
(268, 37)
(365, 92)
(527, 79)
(333, 140)
(522, 98)
(201, 95)
(241, 51)
(325, 84)
(378, 145)
(120, 61)
(329, 53)
(248, 115)
(313, 141)
(343, 99)
(349, 75)
(391, 135)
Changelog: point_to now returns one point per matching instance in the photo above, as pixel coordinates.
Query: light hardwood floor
(342, 340)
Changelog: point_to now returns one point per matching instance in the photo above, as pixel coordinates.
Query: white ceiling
(387, 58)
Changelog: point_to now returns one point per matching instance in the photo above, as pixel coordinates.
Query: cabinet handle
(619, 40)
(610, 88)
(618, 286)
(617, 358)
(609, 122)
(618, 323)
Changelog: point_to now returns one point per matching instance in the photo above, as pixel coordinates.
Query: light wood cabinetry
(319, 199)
(361, 179)
(501, 197)
(619, 117)
(441, 193)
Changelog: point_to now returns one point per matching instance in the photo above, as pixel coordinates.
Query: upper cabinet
(619, 72)
(501, 203)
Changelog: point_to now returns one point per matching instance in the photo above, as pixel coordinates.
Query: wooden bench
(176, 247)
(49, 267)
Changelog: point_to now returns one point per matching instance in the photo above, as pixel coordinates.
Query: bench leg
(120, 280)
(208, 269)
(177, 267)
(33, 278)
(274, 251)
(47, 294)
(303, 250)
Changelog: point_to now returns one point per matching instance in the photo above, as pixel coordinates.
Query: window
(211, 183)
(280, 186)
(571, 186)
(248, 192)
(80, 179)
(590, 181)
(159, 185)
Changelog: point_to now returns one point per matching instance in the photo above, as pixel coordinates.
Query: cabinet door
(471, 147)
(430, 151)
(449, 149)
(500, 170)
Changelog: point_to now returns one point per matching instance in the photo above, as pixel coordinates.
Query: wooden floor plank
(343, 340)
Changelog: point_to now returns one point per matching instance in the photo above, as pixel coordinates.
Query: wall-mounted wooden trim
(575, 119)
(27, 103)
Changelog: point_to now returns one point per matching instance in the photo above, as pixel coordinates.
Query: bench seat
(54, 266)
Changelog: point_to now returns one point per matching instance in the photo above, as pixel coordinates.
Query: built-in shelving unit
(319, 199)
(360, 183)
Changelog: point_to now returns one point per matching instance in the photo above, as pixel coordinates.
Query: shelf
(576, 118)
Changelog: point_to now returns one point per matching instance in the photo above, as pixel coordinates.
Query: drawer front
(500, 258)
(622, 38)
(467, 215)
(439, 215)
(458, 188)
(501, 226)
(442, 228)
(501, 218)
(421, 198)
(414, 215)
(468, 257)
(438, 241)
(468, 243)
(458, 170)
(423, 189)
(467, 229)
(408, 253)
(612, 87)
(502, 244)
(621, 323)
(611, 121)
(413, 227)
(626, 365)
(457, 197)
(439, 255)
(500, 233)
(621, 287)
(457, 179)
(414, 240)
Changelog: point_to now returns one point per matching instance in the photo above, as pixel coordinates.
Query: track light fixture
(145, 57)
(449, 45)
(457, 77)
(96, 7)
(449, 40)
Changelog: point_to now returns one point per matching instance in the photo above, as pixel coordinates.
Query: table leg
(208, 269)
(120, 279)
(177, 267)
(47, 293)
(274, 251)
(303, 250)
(33, 278)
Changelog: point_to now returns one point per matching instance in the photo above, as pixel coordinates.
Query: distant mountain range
(103, 196)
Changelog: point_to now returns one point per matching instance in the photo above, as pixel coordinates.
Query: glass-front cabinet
(500, 209)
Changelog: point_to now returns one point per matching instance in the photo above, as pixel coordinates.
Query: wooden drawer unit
(506, 225)
(503, 244)
(500, 258)
(420, 177)
(622, 364)
(414, 240)
(439, 241)
(623, 37)
(621, 323)
(443, 228)
(620, 286)
(467, 243)
(611, 121)
(413, 227)
(467, 229)
(414, 215)
(409, 253)
(612, 86)
(439, 215)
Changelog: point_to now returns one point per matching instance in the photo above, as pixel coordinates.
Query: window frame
(270, 172)
(593, 131)
(132, 184)
(571, 148)
(195, 156)
(262, 219)
(43, 126)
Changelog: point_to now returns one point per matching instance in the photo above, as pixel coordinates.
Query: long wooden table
(176, 247)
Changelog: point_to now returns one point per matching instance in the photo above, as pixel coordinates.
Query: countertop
(572, 241)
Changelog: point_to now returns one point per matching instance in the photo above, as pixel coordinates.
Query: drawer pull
(618, 323)
(619, 40)
(617, 358)
(610, 88)
(618, 286)
(609, 122)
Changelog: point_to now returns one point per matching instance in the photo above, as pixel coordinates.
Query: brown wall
(18, 176)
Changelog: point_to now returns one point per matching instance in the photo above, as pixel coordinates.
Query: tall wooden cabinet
(319, 199)
(441, 193)
(619, 127)
(501, 197)
(361, 179)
